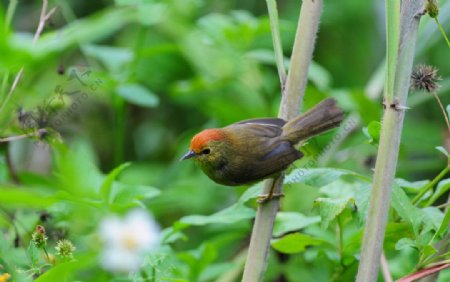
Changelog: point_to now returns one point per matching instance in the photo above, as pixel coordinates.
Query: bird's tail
(324, 116)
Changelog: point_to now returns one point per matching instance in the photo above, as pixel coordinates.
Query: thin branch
(38, 133)
(42, 20)
(444, 112)
(307, 28)
(385, 269)
(386, 163)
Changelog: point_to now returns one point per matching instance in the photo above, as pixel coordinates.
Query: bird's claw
(267, 197)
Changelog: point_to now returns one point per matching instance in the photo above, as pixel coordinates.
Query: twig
(385, 269)
(38, 133)
(42, 20)
(307, 27)
(444, 112)
(386, 163)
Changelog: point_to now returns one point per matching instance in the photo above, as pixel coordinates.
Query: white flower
(127, 240)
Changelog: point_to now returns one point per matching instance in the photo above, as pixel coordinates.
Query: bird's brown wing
(265, 121)
(262, 153)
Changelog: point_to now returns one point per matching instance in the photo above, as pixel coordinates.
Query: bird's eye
(206, 151)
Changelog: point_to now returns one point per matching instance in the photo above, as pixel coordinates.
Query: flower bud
(38, 237)
(432, 8)
(64, 249)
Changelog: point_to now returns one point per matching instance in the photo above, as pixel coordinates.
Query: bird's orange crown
(199, 141)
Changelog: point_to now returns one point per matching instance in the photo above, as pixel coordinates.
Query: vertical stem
(307, 28)
(305, 38)
(389, 143)
(279, 58)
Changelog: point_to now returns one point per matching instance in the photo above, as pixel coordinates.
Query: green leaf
(93, 28)
(138, 95)
(431, 218)
(294, 243)
(29, 198)
(428, 251)
(405, 243)
(124, 194)
(441, 189)
(114, 58)
(251, 193)
(329, 209)
(65, 271)
(292, 221)
(232, 214)
(105, 189)
(33, 254)
(316, 177)
(372, 131)
(442, 149)
(404, 208)
(444, 225)
(411, 187)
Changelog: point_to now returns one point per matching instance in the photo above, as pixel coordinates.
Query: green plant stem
(430, 185)
(46, 254)
(274, 26)
(307, 28)
(340, 227)
(392, 8)
(442, 31)
(10, 13)
(389, 141)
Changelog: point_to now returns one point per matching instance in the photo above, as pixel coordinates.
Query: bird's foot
(267, 197)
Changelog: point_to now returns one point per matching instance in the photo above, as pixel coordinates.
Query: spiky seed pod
(426, 78)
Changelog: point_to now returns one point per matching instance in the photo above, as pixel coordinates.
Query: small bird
(255, 149)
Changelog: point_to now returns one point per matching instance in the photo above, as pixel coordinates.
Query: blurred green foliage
(121, 87)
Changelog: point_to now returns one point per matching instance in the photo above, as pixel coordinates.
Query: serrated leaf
(294, 243)
(138, 95)
(232, 214)
(316, 177)
(329, 209)
(292, 221)
(105, 189)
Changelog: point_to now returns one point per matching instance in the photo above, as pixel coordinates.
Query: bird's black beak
(188, 155)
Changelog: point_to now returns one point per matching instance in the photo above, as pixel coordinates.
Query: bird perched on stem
(251, 150)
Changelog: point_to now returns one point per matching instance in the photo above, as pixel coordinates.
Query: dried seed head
(425, 78)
